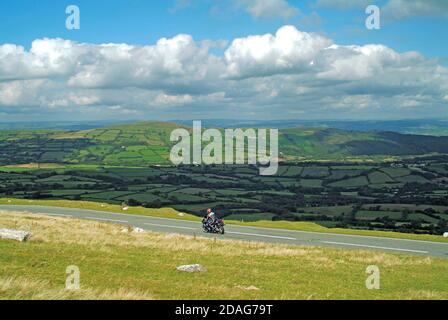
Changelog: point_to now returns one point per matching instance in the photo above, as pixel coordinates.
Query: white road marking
(341, 235)
(102, 219)
(261, 235)
(55, 215)
(167, 226)
(373, 247)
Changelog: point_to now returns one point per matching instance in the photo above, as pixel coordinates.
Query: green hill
(146, 143)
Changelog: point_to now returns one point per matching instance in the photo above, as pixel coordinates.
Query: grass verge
(173, 214)
(117, 265)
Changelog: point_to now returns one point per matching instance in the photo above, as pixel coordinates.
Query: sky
(223, 59)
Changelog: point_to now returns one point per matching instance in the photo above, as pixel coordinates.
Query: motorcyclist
(210, 217)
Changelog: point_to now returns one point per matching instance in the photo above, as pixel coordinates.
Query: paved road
(423, 248)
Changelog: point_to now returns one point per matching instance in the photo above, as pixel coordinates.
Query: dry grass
(36, 166)
(173, 214)
(142, 266)
(103, 236)
(24, 288)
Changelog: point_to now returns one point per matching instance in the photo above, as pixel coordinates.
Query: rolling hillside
(146, 143)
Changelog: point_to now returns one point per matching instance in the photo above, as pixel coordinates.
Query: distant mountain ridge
(436, 127)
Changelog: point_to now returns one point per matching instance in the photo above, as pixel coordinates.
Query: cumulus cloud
(401, 9)
(47, 57)
(180, 5)
(289, 50)
(177, 64)
(342, 4)
(277, 75)
(258, 9)
(393, 9)
(268, 8)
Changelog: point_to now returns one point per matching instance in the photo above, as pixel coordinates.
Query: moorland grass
(174, 214)
(124, 265)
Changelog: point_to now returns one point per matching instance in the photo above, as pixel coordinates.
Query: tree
(156, 204)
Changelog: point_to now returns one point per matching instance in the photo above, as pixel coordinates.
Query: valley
(330, 177)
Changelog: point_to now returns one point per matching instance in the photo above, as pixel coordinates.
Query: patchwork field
(146, 143)
(404, 197)
(327, 176)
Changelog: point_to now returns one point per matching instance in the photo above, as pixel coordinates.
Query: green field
(146, 143)
(239, 191)
(320, 168)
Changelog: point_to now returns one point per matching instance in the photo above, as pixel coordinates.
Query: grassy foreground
(173, 214)
(117, 265)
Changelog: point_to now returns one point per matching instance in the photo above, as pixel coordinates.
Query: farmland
(339, 179)
(407, 196)
(148, 143)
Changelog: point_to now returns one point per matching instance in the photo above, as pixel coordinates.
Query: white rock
(14, 235)
(192, 268)
(181, 214)
(445, 234)
(125, 208)
(138, 230)
(249, 288)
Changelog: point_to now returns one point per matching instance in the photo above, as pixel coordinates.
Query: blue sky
(420, 27)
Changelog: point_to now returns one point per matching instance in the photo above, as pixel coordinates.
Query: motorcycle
(216, 227)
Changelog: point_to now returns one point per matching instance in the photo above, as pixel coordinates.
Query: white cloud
(47, 57)
(170, 100)
(361, 62)
(393, 9)
(290, 50)
(273, 75)
(180, 5)
(401, 9)
(25, 92)
(268, 8)
(174, 64)
(342, 4)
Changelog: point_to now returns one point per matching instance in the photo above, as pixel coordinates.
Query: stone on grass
(445, 234)
(249, 288)
(14, 235)
(138, 230)
(192, 268)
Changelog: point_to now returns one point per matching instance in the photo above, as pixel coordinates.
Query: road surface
(415, 247)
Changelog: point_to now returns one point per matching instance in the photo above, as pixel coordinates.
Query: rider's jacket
(211, 216)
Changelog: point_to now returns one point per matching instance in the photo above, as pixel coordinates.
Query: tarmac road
(414, 247)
